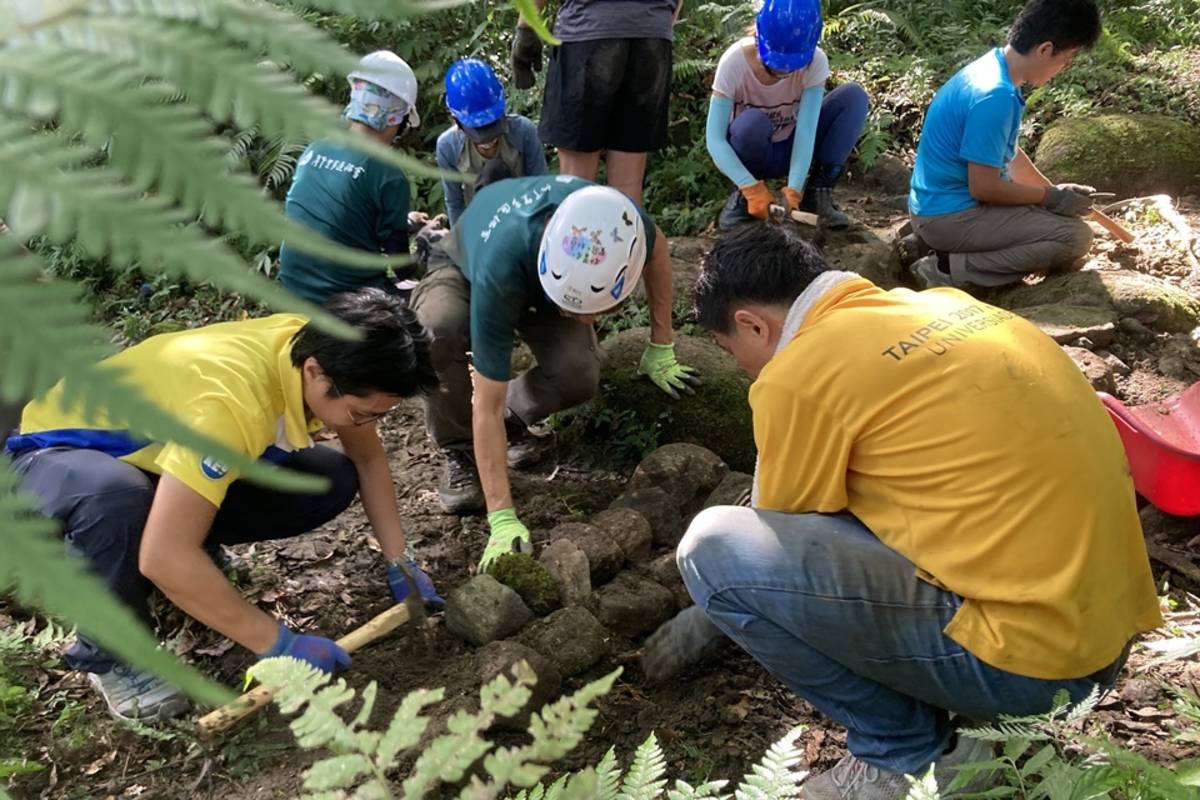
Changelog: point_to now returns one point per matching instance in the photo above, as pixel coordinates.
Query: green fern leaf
(407, 727)
(774, 778)
(36, 569)
(608, 774)
(645, 780)
(368, 705)
(338, 772)
(705, 791)
(923, 788)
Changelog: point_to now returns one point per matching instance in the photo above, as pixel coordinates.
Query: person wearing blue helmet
(483, 141)
(769, 117)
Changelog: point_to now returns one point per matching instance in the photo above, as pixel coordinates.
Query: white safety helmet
(593, 251)
(385, 68)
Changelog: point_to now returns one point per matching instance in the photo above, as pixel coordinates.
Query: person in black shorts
(608, 85)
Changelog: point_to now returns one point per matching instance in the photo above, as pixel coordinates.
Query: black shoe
(524, 447)
(911, 249)
(460, 490)
(818, 196)
(736, 212)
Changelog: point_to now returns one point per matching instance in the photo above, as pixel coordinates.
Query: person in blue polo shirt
(977, 201)
(542, 257)
(483, 141)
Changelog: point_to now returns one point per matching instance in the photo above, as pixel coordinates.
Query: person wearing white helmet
(347, 195)
(484, 140)
(542, 257)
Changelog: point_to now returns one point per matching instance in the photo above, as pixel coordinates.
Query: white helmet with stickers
(389, 71)
(593, 251)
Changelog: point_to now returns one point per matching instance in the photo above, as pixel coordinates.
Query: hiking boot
(525, 448)
(818, 196)
(133, 695)
(854, 779)
(736, 212)
(927, 273)
(911, 249)
(460, 490)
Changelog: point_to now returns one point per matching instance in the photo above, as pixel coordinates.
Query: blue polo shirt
(975, 117)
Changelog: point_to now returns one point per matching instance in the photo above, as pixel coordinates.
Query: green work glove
(660, 365)
(509, 535)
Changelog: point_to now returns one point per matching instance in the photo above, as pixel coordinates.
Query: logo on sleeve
(212, 468)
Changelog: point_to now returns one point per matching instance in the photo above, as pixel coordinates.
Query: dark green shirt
(495, 244)
(351, 198)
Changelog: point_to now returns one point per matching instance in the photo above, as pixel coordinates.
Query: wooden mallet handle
(229, 715)
(1112, 226)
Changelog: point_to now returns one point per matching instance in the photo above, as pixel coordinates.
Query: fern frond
(691, 68)
(773, 778)
(35, 567)
(109, 218)
(645, 780)
(923, 788)
(608, 775)
(705, 791)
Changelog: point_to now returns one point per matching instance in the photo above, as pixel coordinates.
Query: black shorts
(608, 94)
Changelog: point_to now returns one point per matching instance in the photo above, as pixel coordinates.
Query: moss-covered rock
(1150, 300)
(1129, 154)
(529, 578)
(717, 417)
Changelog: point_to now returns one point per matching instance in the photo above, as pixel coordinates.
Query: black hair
(392, 356)
(766, 263)
(1067, 24)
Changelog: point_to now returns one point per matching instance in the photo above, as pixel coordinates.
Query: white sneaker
(133, 695)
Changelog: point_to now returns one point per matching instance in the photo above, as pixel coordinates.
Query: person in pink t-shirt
(769, 117)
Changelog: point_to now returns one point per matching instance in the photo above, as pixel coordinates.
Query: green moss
(1129, 154)
(1151, 300)
(529, 578)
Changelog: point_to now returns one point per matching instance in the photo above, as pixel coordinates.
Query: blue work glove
(400, 584)
(322, 653)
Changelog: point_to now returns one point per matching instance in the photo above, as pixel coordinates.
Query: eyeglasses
(356, 420)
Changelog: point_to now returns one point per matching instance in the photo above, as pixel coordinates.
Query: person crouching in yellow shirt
(144, 512)
(942, 520)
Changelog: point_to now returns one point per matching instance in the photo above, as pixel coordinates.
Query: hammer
(259, 697)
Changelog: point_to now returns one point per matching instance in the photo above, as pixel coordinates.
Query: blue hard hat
(473, 93)
(788, 32)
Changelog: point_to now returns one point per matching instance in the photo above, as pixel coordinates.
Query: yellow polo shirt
(233, 381)
(970, 443)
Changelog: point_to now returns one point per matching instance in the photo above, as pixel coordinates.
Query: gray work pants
(568, 358)
(997, 245)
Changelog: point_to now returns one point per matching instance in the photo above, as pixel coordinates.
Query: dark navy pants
(843, 115)
(102, 503)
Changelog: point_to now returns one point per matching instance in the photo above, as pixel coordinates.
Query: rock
(1118, 366)
(686, 472)
(1119, 293)
(1137, 330)
(1139, 693)
(1068, 323)
(1094, 368)
(730, 491)
(632, 605)
(665, 572)
(1130, 154)
(604, 555)
(1179, 358)
(571, 638)
(890, 174)
(718, 417)
(499, 658)
(666, 523)
(529, 578)
(483, 610)
(629, 529)
(1085, 343)
(569, 566)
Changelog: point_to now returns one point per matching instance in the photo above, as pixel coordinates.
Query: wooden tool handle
(1112, 226)
(803, 217)
(229, 715)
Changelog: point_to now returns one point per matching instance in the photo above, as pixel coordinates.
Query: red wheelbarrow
(1162, 443)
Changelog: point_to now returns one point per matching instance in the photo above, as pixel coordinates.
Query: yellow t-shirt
(233, 381)
(968, 442)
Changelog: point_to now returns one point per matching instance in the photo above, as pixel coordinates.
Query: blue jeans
(843, 115)
(844, 622)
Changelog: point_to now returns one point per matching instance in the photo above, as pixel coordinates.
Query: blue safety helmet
(474, 94)
(788, 32)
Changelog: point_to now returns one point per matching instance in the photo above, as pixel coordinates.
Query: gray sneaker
(966, 751)
(927, 275)
(854, 779)
(459, 489)
(135, 695)
(525, 448)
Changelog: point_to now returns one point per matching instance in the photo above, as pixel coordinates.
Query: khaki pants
(997, 245)
(568, 358)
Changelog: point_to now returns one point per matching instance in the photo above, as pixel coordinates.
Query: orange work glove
(792, 197)
(758, 199)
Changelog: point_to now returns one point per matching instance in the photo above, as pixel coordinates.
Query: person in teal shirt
(348, 196)
(982, 213)
(543, 257)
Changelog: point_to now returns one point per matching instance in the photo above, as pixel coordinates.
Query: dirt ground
(714, 721)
